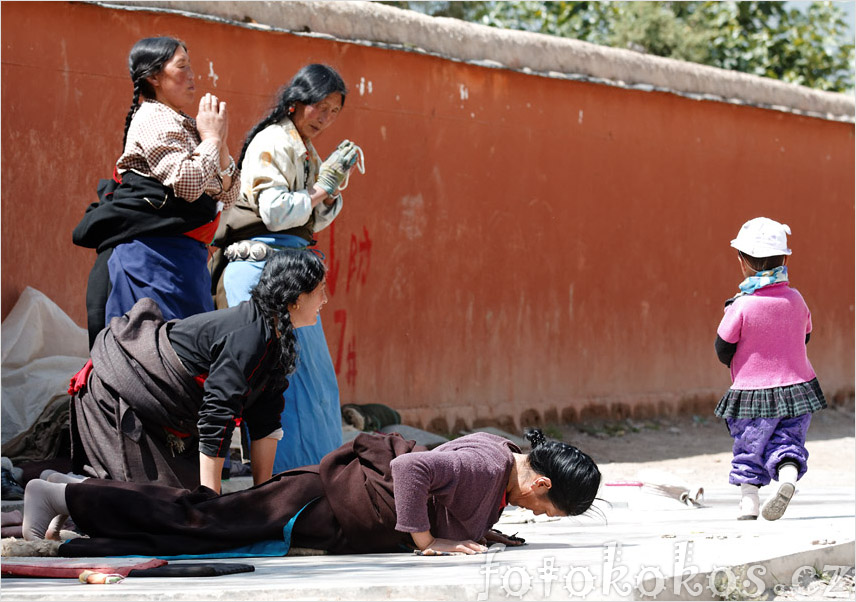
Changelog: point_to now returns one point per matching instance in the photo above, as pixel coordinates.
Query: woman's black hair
(313, 83)
(147, 58)
(762, 264)
(574, 475)
(286, 275)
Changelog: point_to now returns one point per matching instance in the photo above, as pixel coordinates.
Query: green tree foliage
(809, 47)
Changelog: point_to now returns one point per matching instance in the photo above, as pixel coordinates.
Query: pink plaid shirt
(165, 145)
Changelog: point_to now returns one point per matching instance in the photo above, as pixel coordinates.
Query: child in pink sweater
(762, 338)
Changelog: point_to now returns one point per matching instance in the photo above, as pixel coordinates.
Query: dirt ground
(698, 448)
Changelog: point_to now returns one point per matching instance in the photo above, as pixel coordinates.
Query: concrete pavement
(634, 551)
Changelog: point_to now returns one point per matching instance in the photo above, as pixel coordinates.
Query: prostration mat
(194, 569)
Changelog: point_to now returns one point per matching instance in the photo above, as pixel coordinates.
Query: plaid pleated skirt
(778, 402)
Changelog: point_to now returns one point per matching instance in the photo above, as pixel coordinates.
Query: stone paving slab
(632, 552)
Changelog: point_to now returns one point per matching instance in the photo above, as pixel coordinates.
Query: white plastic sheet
(41, 349)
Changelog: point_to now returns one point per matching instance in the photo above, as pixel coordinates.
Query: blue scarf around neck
(762, 279)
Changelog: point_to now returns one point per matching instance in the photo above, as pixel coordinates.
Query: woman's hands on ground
(439, 547)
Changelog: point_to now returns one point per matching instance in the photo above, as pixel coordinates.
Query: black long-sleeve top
(236, 351)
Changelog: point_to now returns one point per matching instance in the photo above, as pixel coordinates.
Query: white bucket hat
(762, 237)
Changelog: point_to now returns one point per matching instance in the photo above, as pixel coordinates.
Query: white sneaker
(775, 507)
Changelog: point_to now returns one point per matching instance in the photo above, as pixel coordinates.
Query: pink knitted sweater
(769, 328)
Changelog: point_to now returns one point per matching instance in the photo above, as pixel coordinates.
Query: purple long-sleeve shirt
(455, 490)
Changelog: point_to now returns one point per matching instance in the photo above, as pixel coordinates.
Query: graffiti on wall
(355, 275)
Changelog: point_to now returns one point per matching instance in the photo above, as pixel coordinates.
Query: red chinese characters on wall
(357, 270)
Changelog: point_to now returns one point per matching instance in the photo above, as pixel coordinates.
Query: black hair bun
(535, 437)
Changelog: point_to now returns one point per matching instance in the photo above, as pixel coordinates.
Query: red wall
(520, 249)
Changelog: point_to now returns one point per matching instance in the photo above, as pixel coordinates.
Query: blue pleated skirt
(311, 420)
(172, 270)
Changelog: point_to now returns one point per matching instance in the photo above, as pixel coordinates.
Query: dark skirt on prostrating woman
(353, 511)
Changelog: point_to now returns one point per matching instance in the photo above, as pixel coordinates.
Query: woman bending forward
(158, 401)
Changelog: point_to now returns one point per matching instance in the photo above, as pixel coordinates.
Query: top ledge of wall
(538, 54)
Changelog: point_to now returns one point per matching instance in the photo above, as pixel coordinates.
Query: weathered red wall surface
(520, 249)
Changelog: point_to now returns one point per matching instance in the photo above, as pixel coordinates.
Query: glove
(335, 168)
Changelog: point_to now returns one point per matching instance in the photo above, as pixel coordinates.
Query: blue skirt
(311, 420)
(172, 270)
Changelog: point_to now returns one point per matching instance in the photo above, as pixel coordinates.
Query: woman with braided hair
(377, 493)
(287, 195)
(157, 217)
(158, 400)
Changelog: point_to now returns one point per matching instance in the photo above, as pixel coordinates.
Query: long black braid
(312, 84)
(147, 58)
(135, 104)
(287, 275)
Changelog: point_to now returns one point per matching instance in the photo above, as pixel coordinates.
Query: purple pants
(761, 444)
